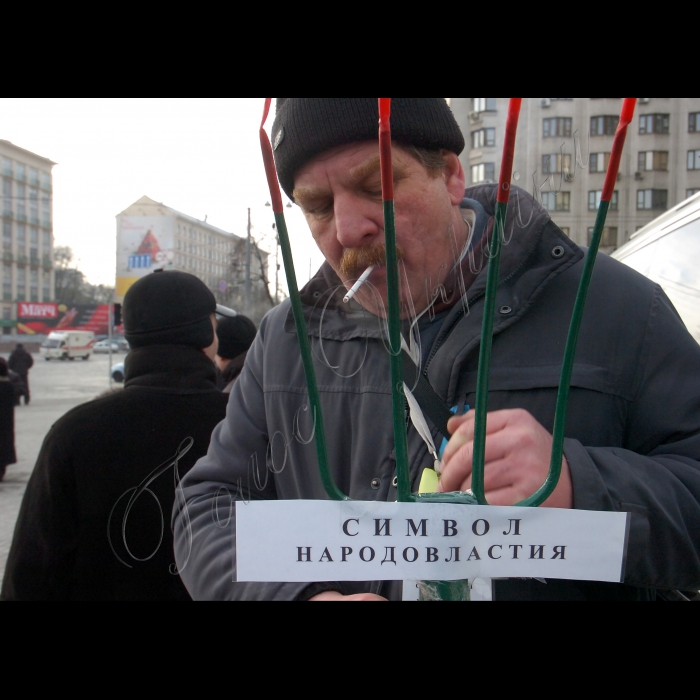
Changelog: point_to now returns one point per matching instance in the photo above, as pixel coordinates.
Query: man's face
(340, 194)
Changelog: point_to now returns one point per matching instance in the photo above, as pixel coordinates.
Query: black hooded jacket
(69, 543)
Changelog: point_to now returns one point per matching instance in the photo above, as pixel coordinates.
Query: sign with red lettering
(35, 318)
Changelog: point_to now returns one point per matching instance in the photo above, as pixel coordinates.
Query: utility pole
(247, 270)
(277, 267)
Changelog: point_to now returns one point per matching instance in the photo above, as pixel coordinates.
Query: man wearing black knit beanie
(76, 539)
(633, 432)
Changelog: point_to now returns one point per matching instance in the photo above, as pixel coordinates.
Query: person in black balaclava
(235, 335)
(78, 536)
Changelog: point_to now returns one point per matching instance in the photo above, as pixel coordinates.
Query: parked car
(667, 251)
(118, 373)
(103, 346)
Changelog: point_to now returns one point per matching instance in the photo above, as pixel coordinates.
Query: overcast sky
(199, 156)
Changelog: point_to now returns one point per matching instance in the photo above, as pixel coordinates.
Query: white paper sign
(300, 541)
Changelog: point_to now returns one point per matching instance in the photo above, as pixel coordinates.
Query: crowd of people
(95, 521)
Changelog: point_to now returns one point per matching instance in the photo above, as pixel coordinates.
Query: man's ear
(454, 177)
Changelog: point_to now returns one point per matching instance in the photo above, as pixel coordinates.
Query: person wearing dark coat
(18, 386)
(235, 335)
(94, 523)
(7, 419)
(21, 362)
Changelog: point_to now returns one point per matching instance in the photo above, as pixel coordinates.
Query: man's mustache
(356, 260)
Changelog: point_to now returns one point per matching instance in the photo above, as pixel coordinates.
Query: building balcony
(22, 218)
(21, 177)
(34, 181)
(22, 259)
(7, 170)
(46, 187)
(7, 256)
(7, 296)
(34, 261)
(34, 219)
(46, 223)
(7, 214)
(47, 262)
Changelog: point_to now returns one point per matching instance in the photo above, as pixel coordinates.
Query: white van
(68, 345)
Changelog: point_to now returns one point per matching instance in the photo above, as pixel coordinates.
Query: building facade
(563, 150)
(27, 231)
(153, 236)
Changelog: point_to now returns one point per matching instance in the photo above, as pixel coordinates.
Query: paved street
(56, 388)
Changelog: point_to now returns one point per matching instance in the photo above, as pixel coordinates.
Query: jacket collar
(177, 369)
(532, 243)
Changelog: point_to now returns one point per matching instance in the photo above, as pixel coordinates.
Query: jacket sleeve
(233, 472)
(657, 477)
(40, 562)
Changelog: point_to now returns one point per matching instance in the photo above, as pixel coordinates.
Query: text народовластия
(299, 541)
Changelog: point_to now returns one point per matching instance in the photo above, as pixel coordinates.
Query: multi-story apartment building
(153, 236)
(27, 231)
(563, 150)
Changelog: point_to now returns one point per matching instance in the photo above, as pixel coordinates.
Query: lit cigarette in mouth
(356, 287)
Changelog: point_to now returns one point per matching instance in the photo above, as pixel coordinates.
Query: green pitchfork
(458, 590)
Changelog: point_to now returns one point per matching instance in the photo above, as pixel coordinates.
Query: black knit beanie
(236, 335)
(308, 126)
(169, 308)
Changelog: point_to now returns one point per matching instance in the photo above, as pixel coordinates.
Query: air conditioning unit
(475, 117)
(546, 102)
(644, 100)
(638, 176)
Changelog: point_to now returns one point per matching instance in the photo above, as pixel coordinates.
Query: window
(565, 230)
(654, 123)
(34, 244)
(483, 137)
(609, 238)
(556, 126)
(485, 172)
(484, 104)
(653, 160)
(556, 201)
(693, 160)
(20, 172)
(46, 242)
(7, 208)
(34, 177)
(20, 200)
(694, 122)
(7, 167)
(21, 239)
(605, 125)
(652, 199)
(7, 282)
(691, 193)
(598, 162)
(594, 197)
(7, 235)
(556, 163)
(33, 206)
(46, 182)
(21, 284)
(46, 286)
(34, 284)
(45, 211)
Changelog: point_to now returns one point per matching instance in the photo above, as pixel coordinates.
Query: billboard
(144, 244)
(35, 318)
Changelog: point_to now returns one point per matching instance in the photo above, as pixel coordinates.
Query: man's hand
(518, 454)
(360, 597)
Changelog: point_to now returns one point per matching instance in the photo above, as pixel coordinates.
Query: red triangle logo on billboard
(149, 246)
